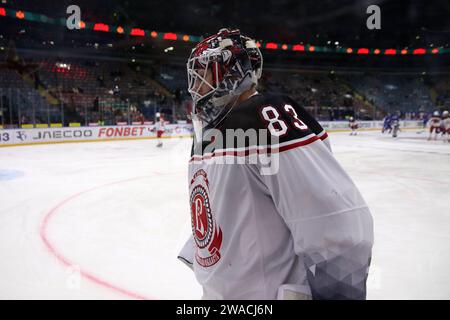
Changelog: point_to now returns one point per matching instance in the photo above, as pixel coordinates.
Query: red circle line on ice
(65, 261)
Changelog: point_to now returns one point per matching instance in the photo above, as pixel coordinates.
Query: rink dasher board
(14, 137)
(338, 125)
(35, 136)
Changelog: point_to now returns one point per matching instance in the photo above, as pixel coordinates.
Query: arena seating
(108, 92)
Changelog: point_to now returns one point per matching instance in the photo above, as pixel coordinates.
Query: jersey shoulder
(247, 115)
(263, 120)
(279, 114)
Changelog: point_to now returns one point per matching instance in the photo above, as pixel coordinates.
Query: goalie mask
(220, 69)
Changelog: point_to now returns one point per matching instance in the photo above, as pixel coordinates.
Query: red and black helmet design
(220, 68)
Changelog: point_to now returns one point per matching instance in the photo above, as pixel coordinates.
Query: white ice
(105, 220)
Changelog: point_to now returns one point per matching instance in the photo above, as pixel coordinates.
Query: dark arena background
(91, 208)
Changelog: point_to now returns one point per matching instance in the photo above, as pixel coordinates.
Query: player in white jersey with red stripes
(159, 128)
(435, 123)
(353, 125)
(273, 214)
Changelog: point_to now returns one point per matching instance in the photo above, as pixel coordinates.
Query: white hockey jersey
(446, 123)
(160, 125)
(435, 122)
(291, 229)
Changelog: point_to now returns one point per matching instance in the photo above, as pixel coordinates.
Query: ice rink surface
(106, 220)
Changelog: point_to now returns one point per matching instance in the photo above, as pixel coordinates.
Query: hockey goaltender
(299, 230)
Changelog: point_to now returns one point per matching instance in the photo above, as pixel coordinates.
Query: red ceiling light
(362, 51)
(137, 32)
(271, 45)
(376, 51)
(2, 12)
(284, 47)
(101, 27)
(20, 14)
(298, 47)
(435, 50)
(170, 36)
(419, 51)
(390, 51)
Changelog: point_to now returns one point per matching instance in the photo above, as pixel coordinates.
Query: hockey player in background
(445, 126)
(159, 128)
(435, 123)
(386, 124)
(395, 123)
(300, 230)
(425, 120)
(353, 126)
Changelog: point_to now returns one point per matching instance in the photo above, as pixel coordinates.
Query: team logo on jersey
(207, 235)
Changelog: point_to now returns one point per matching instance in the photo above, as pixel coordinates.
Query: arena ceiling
(403, 23)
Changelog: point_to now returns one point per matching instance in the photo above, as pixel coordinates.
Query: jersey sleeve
(187, 253)
(330, 223)
(311, 122)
